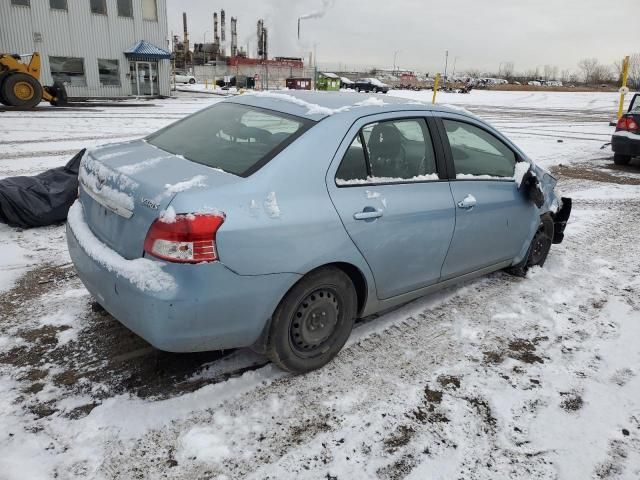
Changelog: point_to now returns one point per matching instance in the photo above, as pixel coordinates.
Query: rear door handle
(468, 203)
(368, 214)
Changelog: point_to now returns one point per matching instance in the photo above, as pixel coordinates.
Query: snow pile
(168, 215)
(109, 195)
(271, 205)
(202, 444)
(105, 174)
(196, 182)
(109, 156)
(368, 180)
(372, 102)
(312, 108)
(521, 170)
(145, 274)
(625, 134)
(140, 166)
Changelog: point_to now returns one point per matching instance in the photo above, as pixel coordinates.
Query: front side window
(235, 138)
(58, 4)
(109, 73)
(150, 10)
(477, 153)
(395, 152)
(98, 6)
(125, 9)
(68, 70)
(24, 3)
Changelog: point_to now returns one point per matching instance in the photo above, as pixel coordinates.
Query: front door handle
(468, 203)
(368, 213)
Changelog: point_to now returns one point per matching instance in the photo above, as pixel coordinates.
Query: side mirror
(530, 187)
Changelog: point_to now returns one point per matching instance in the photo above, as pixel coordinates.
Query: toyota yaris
(275, 220)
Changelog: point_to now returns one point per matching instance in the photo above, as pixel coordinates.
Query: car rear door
(385, 182)
(493, 218)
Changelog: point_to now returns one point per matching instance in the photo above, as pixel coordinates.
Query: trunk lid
(125, 187)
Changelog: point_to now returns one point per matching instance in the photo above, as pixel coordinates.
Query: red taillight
(627, 124)
(190, 239)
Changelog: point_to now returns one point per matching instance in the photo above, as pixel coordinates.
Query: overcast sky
(481, 33)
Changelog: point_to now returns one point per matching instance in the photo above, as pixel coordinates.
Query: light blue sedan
(275, 220)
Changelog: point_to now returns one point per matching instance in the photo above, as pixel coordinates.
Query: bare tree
(507, 70)
(550, 72)
(589, 67)
(634, 70)
(565, 76)
(473, 73)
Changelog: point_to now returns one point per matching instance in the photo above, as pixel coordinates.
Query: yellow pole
(435, 88)
(206, 83)
(625, 78)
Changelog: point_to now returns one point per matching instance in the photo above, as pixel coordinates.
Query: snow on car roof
(318, 105)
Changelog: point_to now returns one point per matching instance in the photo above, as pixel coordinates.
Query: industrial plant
(213, 61)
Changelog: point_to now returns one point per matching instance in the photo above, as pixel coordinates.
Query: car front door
(493, 218)
(385, 183)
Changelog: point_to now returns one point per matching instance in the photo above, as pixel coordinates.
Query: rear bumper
(211, 307)
(625, 146)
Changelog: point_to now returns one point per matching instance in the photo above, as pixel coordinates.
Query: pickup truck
(626, 139)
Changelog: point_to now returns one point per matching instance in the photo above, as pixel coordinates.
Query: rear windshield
(235, 138)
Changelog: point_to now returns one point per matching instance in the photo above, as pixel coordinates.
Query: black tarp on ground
(41, 200)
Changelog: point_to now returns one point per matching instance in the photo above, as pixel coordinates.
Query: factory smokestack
(185, 38)
(263, 41)
(234, 36)
(222, 26)
(216, 38)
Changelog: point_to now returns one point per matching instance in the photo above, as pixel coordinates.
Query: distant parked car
(211, 234)
(183, 77)
(371, 85)
(626, 139)
(346, 83)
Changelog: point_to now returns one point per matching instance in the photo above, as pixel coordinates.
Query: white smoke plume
(326, 5)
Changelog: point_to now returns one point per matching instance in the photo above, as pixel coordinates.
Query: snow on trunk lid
(125, 187)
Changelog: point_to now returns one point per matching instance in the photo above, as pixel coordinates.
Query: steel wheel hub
(315, 320)
(23, 91)
(539, 245)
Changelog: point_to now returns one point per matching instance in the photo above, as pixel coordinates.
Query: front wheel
(313, 321)
(538, 249)
(621, 159)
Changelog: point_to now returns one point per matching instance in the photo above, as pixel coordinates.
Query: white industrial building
(98, 48)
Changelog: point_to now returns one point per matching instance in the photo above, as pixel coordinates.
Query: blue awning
(145, 51)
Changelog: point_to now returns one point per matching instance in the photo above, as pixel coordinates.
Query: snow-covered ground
(498, 378)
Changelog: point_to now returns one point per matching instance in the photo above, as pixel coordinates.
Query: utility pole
(446, 66)
(395, 56)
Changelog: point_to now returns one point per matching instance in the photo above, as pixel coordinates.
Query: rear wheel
(621, 159)
(192, 81)
(21, 90)
(538, 249)
(313, 321)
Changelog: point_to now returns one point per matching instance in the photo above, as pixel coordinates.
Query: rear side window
(235, 138)
(394, 152)
(635, 104)
(477, 153)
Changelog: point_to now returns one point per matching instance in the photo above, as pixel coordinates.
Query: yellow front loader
(20, 83)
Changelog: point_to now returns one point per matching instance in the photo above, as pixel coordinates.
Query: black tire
(192, 81)
(24, 81)
(313, 321)
(2, 99)
(621, 159)
(539, 248)
(58, 91)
